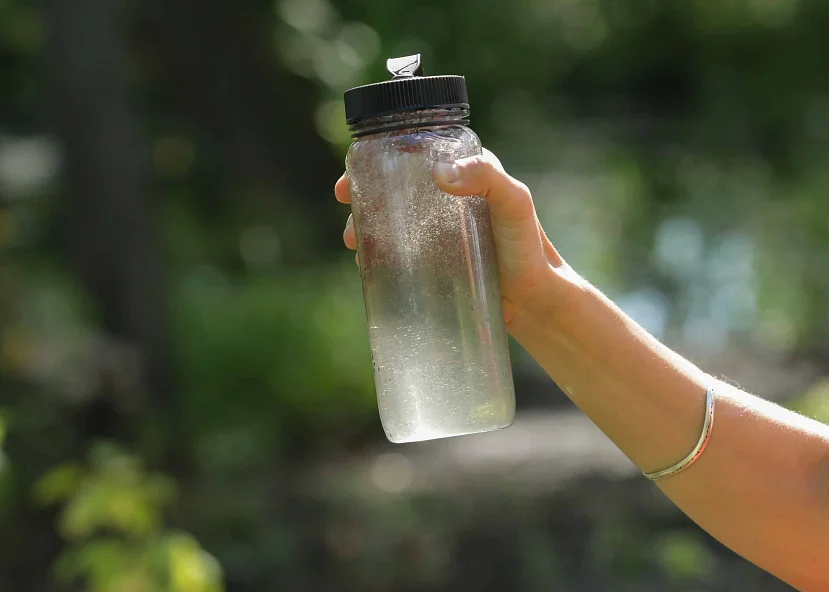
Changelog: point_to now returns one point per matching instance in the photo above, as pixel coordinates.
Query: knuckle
(489, 164)
(522, 190)
(490, 156)
(483, 168)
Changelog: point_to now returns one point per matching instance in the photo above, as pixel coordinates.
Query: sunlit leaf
(58, 483)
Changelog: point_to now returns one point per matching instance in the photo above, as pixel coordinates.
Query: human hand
(531, 271)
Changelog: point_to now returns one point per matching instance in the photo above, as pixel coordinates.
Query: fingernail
(448, 172)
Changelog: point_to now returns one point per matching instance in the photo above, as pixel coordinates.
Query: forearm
(761, 485)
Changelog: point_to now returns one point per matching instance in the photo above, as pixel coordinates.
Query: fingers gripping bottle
(427, 261)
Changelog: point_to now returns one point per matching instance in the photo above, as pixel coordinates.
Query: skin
(762, 485)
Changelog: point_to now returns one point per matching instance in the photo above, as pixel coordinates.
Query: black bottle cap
(408, 90)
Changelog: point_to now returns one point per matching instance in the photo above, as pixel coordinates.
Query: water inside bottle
(430, 282)
(435, 348)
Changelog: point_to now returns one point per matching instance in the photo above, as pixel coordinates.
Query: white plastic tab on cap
(405, 67)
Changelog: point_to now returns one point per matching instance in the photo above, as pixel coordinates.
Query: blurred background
(186, 395)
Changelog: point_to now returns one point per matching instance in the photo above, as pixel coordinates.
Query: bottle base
(424, 433)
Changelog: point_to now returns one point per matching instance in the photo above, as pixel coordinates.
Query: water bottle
(427, 261)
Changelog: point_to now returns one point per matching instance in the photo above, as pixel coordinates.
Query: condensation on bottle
(427, 261)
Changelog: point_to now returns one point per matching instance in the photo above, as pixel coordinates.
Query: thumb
(514, 223)
(509, 199)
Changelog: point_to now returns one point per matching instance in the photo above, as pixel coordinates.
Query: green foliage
(112, 518)
(619, 547)
(279, 354)
(3, 459)
(684, 556)
(676, 152)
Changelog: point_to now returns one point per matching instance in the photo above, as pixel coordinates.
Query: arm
(762, 485)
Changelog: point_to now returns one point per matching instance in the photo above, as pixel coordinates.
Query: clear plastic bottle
(427, 261)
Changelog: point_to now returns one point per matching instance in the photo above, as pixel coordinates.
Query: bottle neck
(409, 120)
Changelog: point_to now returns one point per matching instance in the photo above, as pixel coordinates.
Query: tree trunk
(110, 241)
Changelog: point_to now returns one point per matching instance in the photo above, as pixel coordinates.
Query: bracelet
(686, 462)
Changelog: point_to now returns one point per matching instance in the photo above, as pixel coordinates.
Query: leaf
(191, 568)
(58, 484)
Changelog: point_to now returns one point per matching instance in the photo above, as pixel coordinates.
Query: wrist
(552, 304)
(571, 327)
(578, 334)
